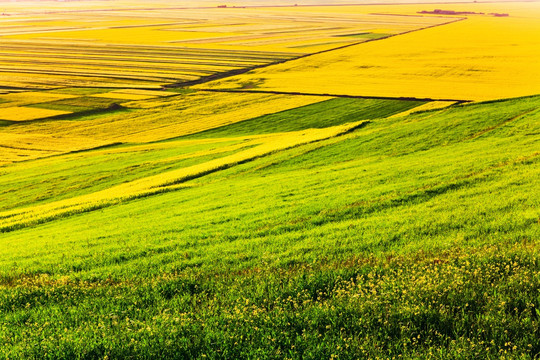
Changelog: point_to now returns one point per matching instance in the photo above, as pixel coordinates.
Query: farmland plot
(99, 119)
(482, 57)
(128, 47)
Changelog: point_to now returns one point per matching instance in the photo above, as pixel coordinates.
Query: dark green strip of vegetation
(319, 115)
(80, 91)
(87, 102)
(6, 122)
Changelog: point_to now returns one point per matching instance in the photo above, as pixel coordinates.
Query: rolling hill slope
(413, 235)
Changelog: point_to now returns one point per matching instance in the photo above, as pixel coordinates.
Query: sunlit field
(132, 45)
(480, 57)
(266, 180)
(113, 117)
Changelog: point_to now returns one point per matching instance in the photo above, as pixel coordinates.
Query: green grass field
(324, 114)
(410, 237)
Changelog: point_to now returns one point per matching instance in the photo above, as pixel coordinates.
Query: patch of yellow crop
(19, 113)
(432, 105)
(20, 146)
(166, 181)
(44, 80)
(48, 142)
(128, 35)
(123, 96)
(67, 47)
(479, 58)
(31, 97)
(178, 116)
(13, 154)
(202, 111)
(144, 92)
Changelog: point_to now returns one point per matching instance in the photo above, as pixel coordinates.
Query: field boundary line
(403, 98)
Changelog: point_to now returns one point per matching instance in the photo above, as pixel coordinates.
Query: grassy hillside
(327, 113)
(409, 236)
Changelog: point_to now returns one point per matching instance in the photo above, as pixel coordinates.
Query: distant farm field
(168, 45)
(477, 58)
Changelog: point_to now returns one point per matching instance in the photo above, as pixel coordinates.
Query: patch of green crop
(62, 107)
(95, 113)
(179, 90)
(319, 115)
(87, 102)
(57, 178)
(82, 107)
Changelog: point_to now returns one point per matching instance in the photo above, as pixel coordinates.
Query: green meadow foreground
(411, 236)
(174, 186)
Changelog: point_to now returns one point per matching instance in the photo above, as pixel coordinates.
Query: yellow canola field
(202, 111)
(270, 28)
(432, 105)
(19, 113)
(166, 181)
(30, 97)
(123, 96)
(138, 36)
(143, 92)
(169, 44)
(16, 147)
(179, 115)
(480, 58)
